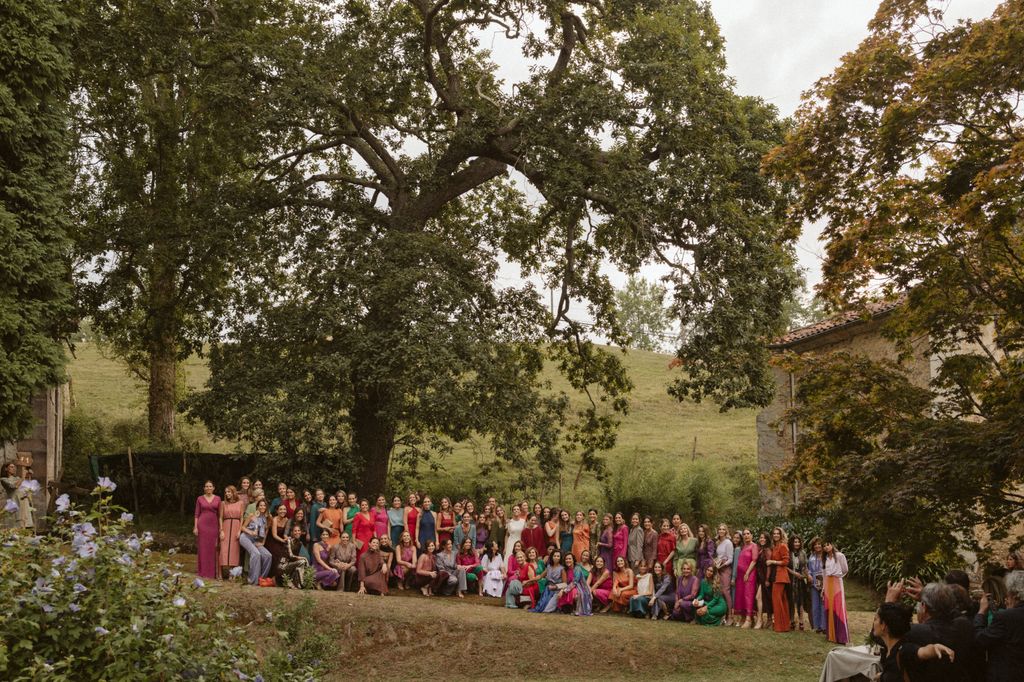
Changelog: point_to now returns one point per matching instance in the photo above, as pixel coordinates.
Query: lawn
(658, 428)
(407, 636)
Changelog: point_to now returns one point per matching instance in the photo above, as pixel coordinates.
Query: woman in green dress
(715, 607)
(350, 512)
(686, 550)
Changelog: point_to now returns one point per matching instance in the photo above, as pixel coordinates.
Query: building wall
(44, 444)
(774, 434)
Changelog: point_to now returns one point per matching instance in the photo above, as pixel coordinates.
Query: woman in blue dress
(396, 520)
(426, 525)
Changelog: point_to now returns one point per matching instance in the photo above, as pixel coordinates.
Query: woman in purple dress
(206, 528)
(604, 543)
(324, 575)
(686, 591)
(705, 549)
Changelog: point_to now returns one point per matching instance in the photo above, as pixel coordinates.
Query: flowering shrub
(90, 601)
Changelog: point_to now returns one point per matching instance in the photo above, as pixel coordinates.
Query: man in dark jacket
(1003, 638)
(939, 622)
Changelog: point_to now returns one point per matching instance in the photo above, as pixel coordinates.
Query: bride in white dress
(514, 529)
(494, 571)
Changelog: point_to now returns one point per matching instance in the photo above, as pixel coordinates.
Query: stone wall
(775, 435)
(44, 445)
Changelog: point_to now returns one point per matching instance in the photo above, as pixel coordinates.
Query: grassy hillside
(657, 430)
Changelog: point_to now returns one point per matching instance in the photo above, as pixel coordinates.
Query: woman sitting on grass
(711, 605)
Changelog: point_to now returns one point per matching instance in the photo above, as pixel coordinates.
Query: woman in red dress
(362, 528)
(445, 521)
(531, 587)
(666, 545)
(207, 531)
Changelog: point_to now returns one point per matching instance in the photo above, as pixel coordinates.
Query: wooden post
(131, 475)
(181, 488)
(693, 457)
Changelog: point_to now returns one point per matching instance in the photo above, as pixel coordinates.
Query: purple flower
(235, 572)
(100, 630)
(179, 602)
(79, 587)
(30, 485)
(106, 484)
(86, 529)
(87, 549)
(127, 517)
(11, 507)
(134, 544)
(58, 561)
(198, 583)
(63, 502)
(47, 608)
(124, 560)
(75, 608)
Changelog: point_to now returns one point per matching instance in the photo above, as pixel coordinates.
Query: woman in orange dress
(231, 511)
(580, 536)
(779, 561)
(623, 585)
(330, 513)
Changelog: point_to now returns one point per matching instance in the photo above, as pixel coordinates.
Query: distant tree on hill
(641, 312)
(35, 296)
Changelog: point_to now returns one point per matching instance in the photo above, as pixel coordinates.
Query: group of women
(543, 558)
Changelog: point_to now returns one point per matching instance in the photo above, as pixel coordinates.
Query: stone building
(43, 447)
(854, 332)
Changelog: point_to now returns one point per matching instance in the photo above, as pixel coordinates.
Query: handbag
(268, 582)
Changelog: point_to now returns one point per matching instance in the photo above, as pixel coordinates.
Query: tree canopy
(418, 172)
(35, 297)
(642, 314)
(913, 151)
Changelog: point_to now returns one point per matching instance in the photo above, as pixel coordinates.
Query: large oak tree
(421, 172)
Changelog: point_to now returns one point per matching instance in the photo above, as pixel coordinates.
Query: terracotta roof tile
(844, 319)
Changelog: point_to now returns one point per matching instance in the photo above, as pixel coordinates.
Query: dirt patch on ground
(409, 636)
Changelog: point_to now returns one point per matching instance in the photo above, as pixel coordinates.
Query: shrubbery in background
(90, 601)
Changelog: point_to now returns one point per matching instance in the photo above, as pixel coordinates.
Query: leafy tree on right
(913, 152)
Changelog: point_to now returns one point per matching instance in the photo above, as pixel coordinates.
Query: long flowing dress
(396, 517)
(816, 569)
(380, 522)
(565, 540)
(428, 529)
(278, 548)
(686, 552)
(372, 572)
(705, 556)
(605, 546)
(325, 577)
(413, 513)
(10, 486)
(567, 599)
(580, 539)
(764, 584)
(334, 516)
(497, 534)
(494, 583)
(686, 592)
(208, 525)
(666, 545)
(514, 534)
(404, 574)
(231, 526)
(735, 574)
(362, 532)
(835, 598)
(601, 589)
(724, 557)
(445, 519)
(533, 589)
(548, 598)
(780, 602)
(620, 543)
(534, 537)
(314, 530)
(713, 599)
(746, 588)
(350, 517)
(482, 533)
(621, 601)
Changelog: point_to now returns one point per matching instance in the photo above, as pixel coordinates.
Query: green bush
(91, 602)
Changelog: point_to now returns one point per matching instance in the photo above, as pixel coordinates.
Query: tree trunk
(163, 368)
(373, 438)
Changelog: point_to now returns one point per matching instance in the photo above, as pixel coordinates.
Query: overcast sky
(777, 49)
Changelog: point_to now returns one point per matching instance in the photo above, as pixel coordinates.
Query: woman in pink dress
(231, 510)
(405, 561)
(620, 538)
(746, 579)
(601, 582)
(207, 530)
(380, 518)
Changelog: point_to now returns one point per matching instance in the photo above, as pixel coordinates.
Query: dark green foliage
(912, 151)
(381, 322)
(35, 302)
